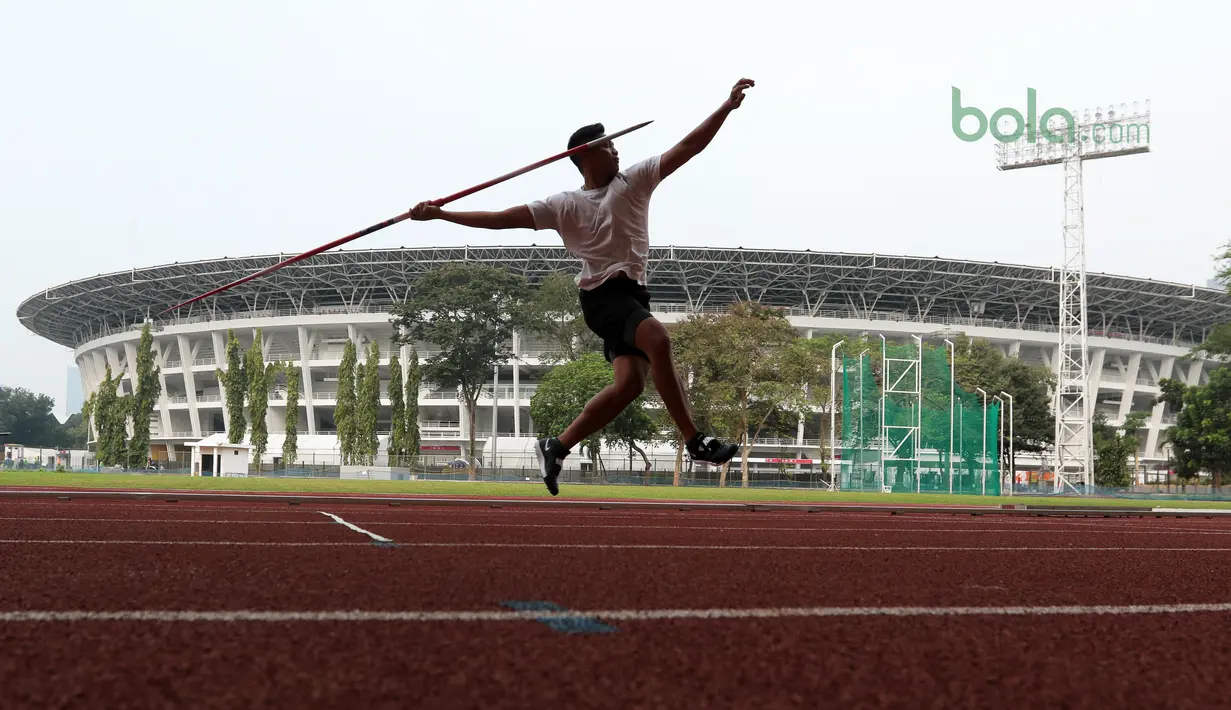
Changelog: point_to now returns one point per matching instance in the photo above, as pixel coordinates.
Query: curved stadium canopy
(811, 283)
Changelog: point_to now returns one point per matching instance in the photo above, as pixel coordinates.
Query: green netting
(902, 431)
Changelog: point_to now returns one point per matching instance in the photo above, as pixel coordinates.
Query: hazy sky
(141, 133)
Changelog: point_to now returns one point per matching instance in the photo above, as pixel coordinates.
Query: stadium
(1141, 331)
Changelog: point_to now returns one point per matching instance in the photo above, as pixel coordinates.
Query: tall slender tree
(471, 311)
(290, 444)
(111, 415)
(234, 387)
(368, 442)
(344, 414)
(146, 391)
(414, 377)
(397, 434)
(258, 376)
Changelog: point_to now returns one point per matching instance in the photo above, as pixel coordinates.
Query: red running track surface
(849, 604)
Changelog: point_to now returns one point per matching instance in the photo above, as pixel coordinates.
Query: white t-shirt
(607, 228)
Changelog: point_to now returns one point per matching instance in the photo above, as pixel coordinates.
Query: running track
(156, 604)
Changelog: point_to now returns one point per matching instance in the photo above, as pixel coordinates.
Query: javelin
(406, 215)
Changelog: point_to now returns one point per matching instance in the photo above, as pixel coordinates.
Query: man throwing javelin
(605, 223)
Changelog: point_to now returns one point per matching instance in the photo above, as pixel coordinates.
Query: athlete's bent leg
(652, 339)
(630, 373)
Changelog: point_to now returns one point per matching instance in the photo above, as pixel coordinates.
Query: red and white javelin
(406, 215)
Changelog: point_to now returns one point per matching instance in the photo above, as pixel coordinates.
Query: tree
(397, 434)
(563, 394)
(234, 386)
(1201, 436)
(148, 388)
(633, 427)
(345, 414)
(737, 356)
(88, 409)
(806, 365)
(367, 443)
(554, 314)
(1217, 345)
(1034, 423)
(111, 414)
(691, 343)
(981, 364)
(290, 444)
(471, 311)
(27, 417)
(1113, 446)
(257, 374)
(414, 375)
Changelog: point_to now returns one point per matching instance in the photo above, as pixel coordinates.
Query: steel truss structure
(819, 284)
(903, 379)
(1069, 143)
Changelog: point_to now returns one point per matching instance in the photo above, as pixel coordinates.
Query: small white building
(215, 456)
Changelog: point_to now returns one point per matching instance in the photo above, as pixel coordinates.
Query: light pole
(952, 367)
(1129, 134)
(884, 383)
(1012, 463)
(833, 384)
(859, 435)
(984, 469)
(1000, 441)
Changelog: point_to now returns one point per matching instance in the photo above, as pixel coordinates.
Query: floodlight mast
(1061, 142)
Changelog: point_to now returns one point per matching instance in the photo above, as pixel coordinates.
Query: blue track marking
(582, 625)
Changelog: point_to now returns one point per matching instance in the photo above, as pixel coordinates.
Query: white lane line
(224, 543)
(904, 528)
(588, 526)
(169, 520)
(612, 614)
(356, 528)
(742, 528)
(601, 546)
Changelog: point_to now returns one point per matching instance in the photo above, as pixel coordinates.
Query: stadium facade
(1141, 331)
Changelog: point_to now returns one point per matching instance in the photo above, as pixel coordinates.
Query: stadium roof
(811, 283)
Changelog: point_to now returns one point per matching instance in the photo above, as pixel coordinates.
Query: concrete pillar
(1155, 422)
(305, 364)
(187, 355)
(220, 361)
(1130, 384)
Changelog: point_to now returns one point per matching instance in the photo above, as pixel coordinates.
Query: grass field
(463, 488)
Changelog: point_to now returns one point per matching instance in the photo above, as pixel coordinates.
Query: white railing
(506, 393)
(682, 308)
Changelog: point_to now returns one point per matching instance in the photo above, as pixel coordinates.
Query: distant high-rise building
(1214, 283)
(74, 398)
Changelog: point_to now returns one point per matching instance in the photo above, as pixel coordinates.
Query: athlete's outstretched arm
(701, 136)
(513, 218)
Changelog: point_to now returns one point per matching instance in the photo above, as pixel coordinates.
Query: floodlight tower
(1064, 139)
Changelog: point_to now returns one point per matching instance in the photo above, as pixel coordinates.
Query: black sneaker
(710, 450)
(550, 454)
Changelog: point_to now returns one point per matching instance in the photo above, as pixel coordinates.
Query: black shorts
(613, 310)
